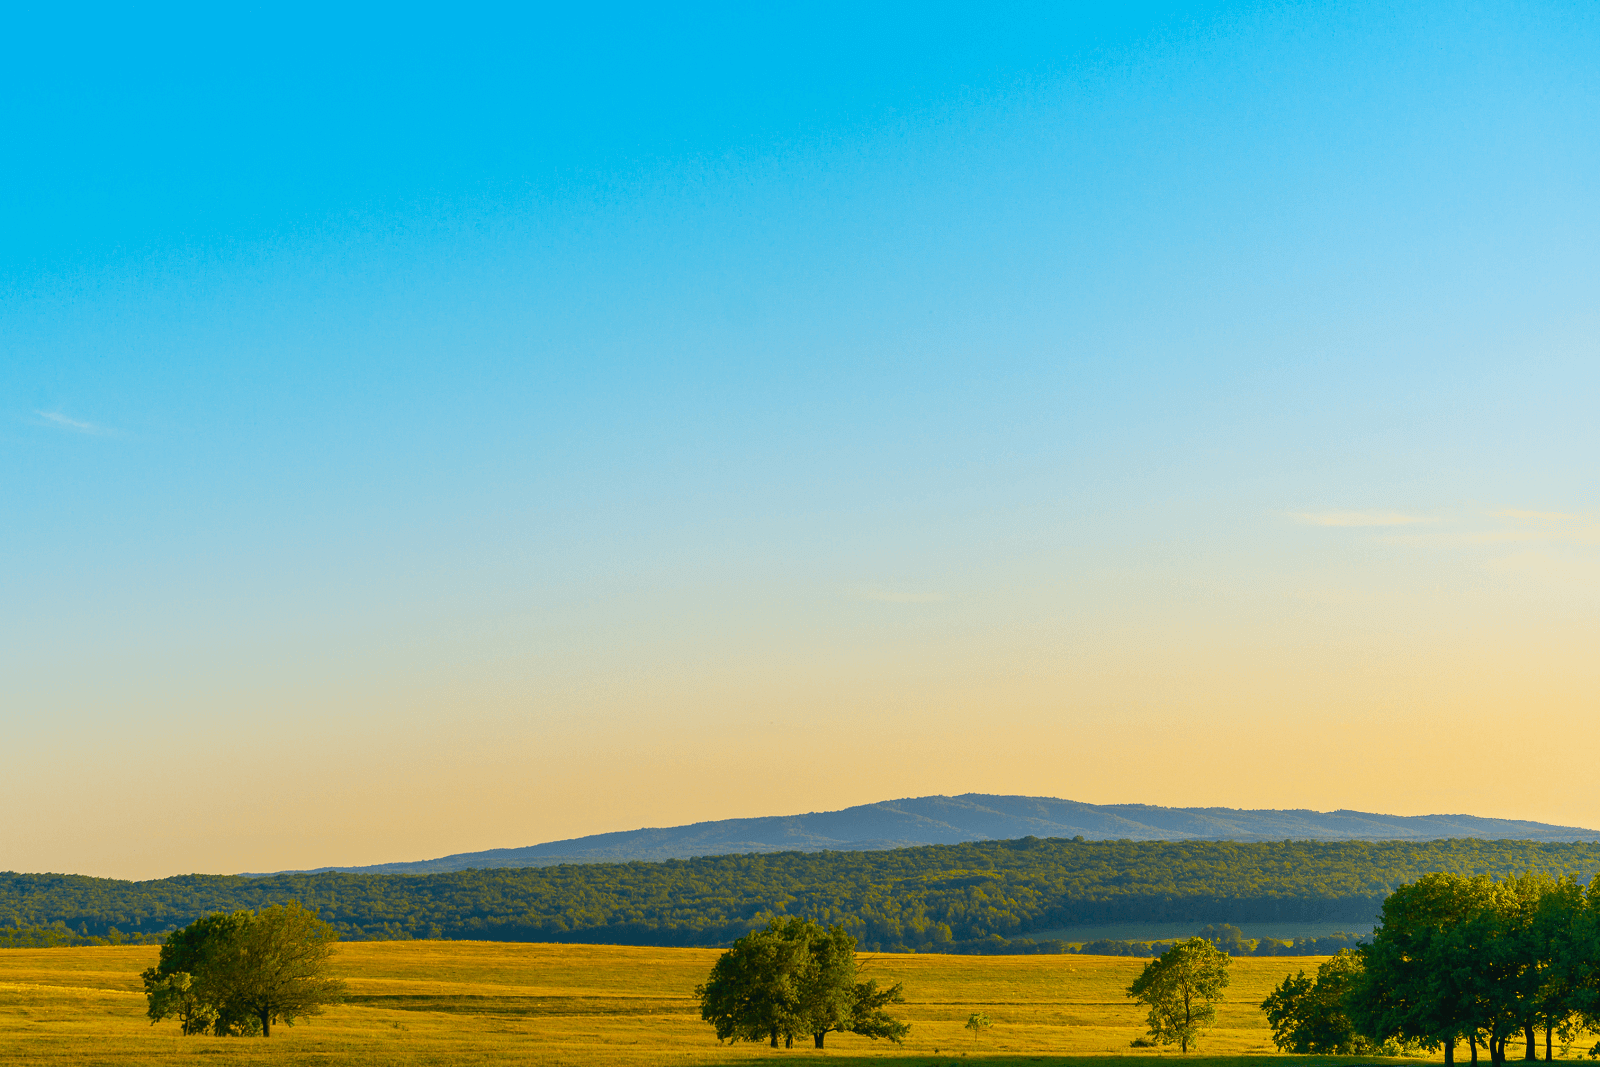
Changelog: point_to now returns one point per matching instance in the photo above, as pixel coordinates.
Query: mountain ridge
(939, 820)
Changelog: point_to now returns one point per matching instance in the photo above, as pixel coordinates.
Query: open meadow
(457, 1002)
(453, 1002)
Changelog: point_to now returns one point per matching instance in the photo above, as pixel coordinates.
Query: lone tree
(1179, 986)
(796, 977)
(241, 973)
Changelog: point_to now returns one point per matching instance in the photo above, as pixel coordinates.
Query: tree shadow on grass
(891, 1057)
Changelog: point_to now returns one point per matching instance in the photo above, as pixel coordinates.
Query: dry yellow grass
(455, 1002)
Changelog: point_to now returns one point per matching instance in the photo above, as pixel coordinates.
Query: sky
(426, 430)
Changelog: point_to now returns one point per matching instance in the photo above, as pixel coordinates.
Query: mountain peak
(944, 820)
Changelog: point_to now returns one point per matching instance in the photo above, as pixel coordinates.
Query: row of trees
(792, 979)
(58, 934)
(985, 896)
(239, 973)
(1231, 940)
(1456, 959)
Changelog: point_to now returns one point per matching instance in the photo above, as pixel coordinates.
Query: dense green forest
(981, 896)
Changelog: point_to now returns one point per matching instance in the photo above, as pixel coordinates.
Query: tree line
(1230, 940)
(1456, 960)
(979, 897)
(59, 935)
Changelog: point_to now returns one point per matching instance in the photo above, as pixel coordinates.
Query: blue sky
(491, 426)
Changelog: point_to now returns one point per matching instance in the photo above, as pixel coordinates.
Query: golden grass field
(465, 1002)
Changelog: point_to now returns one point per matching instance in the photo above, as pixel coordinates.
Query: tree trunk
(1547, 1030)
(266, 1024)
(1532, 1052)
(1450, 1052)
(819, 1035)
(788, 1041)
(774, 1037)
(1472, 1040)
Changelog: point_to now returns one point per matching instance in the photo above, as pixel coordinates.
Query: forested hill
(930, 898)
(981, 817)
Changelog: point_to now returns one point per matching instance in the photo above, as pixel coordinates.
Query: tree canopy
(240, 973)
(795, 978)
(1313, 1015)
(989, 896)
(1476, 959)
(1180, 987)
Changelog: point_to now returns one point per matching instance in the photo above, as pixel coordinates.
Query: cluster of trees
(57, 935)
(1478, 960)
(1230, 939)
(1312, 1015)
(796, 978)
(239, 973)
(981, 897)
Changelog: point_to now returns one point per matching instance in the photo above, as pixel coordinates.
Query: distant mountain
(980, 817)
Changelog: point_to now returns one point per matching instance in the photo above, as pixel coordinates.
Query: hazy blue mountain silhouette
(980, 817)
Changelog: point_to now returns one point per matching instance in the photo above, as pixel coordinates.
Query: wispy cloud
(55, 418)
(1358, 518)
(1513, 513)
(1466, 537)
(1508, 526)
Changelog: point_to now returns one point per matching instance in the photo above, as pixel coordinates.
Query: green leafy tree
(190, 980)
(826, 985)
(174, 995)
(1311, 1016)
(1562, 936)
(1227, 937)
(977, 1022)
(796, 977)
(279, 969)
(1418, 982)
(241, 973)
(1180, 988)
(753, 991)
(1510, 972)
(831, 999)
(1483, 960)
(1580, 966)
(870, 1018)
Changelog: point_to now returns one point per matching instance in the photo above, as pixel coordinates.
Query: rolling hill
(981, 896)
(980, 817)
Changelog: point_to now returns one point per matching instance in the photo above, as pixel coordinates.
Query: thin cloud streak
(1508, 526)
(56, 419)
(1554, 516)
